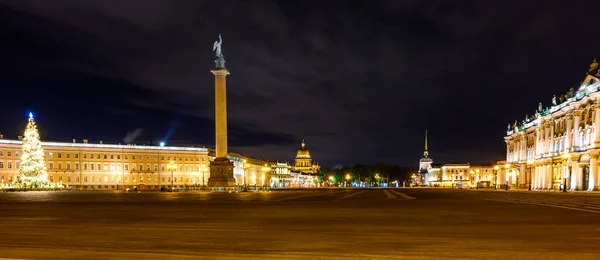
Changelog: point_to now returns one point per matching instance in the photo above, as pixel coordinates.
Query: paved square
(302, 224)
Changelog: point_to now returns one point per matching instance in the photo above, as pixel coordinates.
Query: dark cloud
(358, 80)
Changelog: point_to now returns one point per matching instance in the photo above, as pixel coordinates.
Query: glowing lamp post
(347, 177)
(496, 168)
(265, 169)
(507, 166)
(203, 170)
(171, 167)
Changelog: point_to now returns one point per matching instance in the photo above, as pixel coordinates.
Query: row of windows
(126, 157)
(105, 179)
(461, 171)
(117, 167)
(9, 165)
(17, 153)
(113, 156)
(105, 167)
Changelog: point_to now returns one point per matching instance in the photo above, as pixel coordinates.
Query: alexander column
(221, 169)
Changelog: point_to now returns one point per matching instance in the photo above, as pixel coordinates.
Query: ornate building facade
(303, 162)
(558, 147)
(110, 166)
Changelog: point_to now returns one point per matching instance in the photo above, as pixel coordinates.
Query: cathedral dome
(303, 152)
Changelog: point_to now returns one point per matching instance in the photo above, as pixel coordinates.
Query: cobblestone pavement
(299, 224)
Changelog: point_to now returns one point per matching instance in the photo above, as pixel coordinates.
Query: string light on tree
(33, 167)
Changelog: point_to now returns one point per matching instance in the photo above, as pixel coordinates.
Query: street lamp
(568, 173)
(507, 166)
(203, 170)
(496, 176)
(265, 169)
(244, 167)
(347, 178)
(171, 167)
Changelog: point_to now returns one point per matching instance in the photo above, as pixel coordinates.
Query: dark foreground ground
(309, 224)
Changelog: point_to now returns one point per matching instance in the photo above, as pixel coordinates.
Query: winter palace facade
(558, 147)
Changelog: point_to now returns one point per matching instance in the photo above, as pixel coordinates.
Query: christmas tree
(33, 166)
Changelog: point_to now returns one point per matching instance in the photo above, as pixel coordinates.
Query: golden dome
(303, 152)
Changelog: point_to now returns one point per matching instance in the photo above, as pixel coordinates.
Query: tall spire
(425, 140)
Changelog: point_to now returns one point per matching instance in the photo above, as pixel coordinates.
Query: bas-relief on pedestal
(221, 173)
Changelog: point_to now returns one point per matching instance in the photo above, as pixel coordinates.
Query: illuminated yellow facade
(107, 166)
(303, 162)
(558, 147)
(463, 175)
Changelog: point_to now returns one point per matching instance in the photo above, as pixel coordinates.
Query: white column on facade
(538, 170)
(593, 170)
(597, 125)
(538, 140)
(544, 176)
(549, 179)
(577, 120)
(524, 143)
(573, 176)
(568, 141)
(552, 147)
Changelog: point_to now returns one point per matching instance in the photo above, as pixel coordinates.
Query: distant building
(424, 166)
(303, 162)
(462, 175)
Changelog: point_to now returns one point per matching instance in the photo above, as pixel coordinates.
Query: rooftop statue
(554, 100)
(220, 61)
(570, 93)
(540, 107)
(508, 127)
(594, 67)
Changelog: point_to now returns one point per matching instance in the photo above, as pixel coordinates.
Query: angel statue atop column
(220, 61)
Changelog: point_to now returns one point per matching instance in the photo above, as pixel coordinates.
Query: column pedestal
(221, 173)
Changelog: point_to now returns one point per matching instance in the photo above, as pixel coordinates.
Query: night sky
(360, 81)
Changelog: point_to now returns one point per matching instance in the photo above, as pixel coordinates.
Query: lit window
(1, 165)
(49, 155)
(59, 155)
